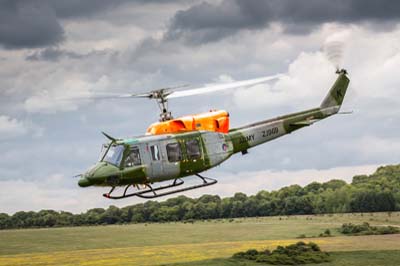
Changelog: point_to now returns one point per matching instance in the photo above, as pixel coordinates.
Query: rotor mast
(165, 115)
(162, 101)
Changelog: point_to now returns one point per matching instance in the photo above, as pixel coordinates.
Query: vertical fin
(336, 94)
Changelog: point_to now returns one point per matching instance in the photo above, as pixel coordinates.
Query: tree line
(379, 192)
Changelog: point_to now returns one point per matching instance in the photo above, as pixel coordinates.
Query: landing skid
(151, 192)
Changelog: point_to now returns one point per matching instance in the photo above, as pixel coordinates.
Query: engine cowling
(214, 120)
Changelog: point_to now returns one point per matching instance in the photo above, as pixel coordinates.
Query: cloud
(26, 24)
(11, 128)
(208, 22)
(51, 193)
(41, 24)
(76, 8)
(373, 146)
(310, 75)
(66, 96)
(297, 87)
(53, 54)
(56, 192)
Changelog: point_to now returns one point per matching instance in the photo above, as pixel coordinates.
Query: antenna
(109, 137)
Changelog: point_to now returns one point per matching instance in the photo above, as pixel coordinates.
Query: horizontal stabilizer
(305, 123)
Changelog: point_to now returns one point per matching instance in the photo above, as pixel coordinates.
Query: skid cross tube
(151, 192)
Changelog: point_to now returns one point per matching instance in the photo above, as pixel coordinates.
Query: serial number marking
(270, 132)
(246, 139)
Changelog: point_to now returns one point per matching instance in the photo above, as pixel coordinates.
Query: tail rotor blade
(334, 52)
(334, 47)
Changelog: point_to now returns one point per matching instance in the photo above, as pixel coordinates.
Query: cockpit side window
(193, 149)
(133, 158)
(174, 152)
(113, 154)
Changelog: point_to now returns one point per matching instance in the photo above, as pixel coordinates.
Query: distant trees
(377, 192)
(372, 201)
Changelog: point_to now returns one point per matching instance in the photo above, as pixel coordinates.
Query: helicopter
(175, 148)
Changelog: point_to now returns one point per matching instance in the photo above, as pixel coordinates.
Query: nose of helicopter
(97, 174)
(84, 182)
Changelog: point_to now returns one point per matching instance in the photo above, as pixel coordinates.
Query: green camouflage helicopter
(175, 148)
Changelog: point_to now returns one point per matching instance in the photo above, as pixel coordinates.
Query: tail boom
(255, 134)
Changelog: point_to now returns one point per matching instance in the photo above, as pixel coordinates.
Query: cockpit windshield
(113, 155)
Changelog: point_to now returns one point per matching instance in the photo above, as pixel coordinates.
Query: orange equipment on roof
(215, 120)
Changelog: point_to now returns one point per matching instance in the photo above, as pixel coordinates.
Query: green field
(200, 243)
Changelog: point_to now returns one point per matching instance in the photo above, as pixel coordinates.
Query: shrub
(250, 254)
(385, 230)
(366, 229)
(295, 254)
(326, 233)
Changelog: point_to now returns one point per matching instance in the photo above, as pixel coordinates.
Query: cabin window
(133, 158)
(155, 152)
(174, 152)
(193, 149)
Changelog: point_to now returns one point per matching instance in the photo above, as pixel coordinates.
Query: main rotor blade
(154, 94)
(222, 86)
(168, 93)
(101, 96)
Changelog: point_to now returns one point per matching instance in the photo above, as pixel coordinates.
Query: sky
(55, 49)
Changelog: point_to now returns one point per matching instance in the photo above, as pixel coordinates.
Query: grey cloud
(28, 24)
(206, 22)
(79, 8)
(32, 24)
(54, 54)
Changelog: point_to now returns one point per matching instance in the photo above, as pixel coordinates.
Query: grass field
(201, 243)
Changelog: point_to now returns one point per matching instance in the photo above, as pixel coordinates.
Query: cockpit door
(156, 168)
